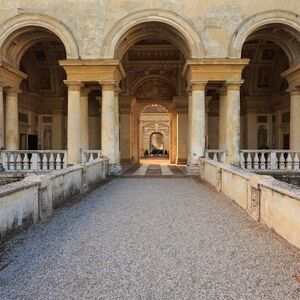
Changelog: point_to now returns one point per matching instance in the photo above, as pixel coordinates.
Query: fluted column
(74, 121)
(2, 115)
(222, 118)
(108, 131)
(84, 106)
(12, 120)
(197, 124)
(233, 122)
(295, 119)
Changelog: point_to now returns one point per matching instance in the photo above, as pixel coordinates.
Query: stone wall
(26, 202)
(91, 21)
(274, 203)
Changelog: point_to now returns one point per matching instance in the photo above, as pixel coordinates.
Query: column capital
(10, 91)
(85, 92)
(117, 91)
(223, 91)
(73, 85)
(108, 85)
(233, 84)
(197, 84)
(294, 91)
(2, 85)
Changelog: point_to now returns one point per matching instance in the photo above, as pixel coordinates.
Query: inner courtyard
(149, 149)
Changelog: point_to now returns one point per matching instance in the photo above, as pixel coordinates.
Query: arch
(256, 22)
(176, 22)
(12, 26)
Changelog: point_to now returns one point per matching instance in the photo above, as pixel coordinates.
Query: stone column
(117, 130)
(1, 116)
(108, 131)
(222, 118)
(207, 100)
(233, 122)
(12, 120)
(74, 121)
(84, 106)
(295, 119)
(197, 124)
(189, 90)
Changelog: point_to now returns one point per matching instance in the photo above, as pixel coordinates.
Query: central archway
(123, 34)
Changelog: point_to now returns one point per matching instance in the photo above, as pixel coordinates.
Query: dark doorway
(32, 142)
(286, 141)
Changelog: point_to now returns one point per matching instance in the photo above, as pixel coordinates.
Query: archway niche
(42, 105)
(153, 55)
(265, 99)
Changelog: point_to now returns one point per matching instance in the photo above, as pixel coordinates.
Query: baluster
(65, 159)
(268, 160)
(296, 161)
(91, 158)
(263, 161)
(256, 161)
(206, 155)
(51, 162)
(44, 161)
(281, 161)
(18, 162)
(26, 162)
(215, 157)
(11, 162)
(242, 160)
(289, 162)
(249, 161)
(5, 159)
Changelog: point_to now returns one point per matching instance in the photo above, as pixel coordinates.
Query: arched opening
(153, 55)
(265, 100)
(156, 144)
(155, 132)
(42, 104)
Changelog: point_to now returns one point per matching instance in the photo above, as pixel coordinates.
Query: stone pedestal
(74, 121)
(12, 120)
(295, 120)
(197, 124)
(233, 122)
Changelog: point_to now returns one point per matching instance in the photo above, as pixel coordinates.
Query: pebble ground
(150, 238)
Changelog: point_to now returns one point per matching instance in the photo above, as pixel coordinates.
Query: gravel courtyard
(150, 238)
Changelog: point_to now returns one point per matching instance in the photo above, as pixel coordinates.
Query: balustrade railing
(33, 160)
(90, 155)
(269, 159)
(216, 155)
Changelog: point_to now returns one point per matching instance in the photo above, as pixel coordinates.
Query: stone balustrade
(90, 155)
(33, 160)
(216, 155)
(269, 160)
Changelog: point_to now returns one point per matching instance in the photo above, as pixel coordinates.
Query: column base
(193, 169)
(114, 169)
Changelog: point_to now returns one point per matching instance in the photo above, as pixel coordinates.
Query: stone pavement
(150, 238)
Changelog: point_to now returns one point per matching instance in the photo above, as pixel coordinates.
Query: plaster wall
(90, 21)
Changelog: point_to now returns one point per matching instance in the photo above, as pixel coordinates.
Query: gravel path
(151, 239)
